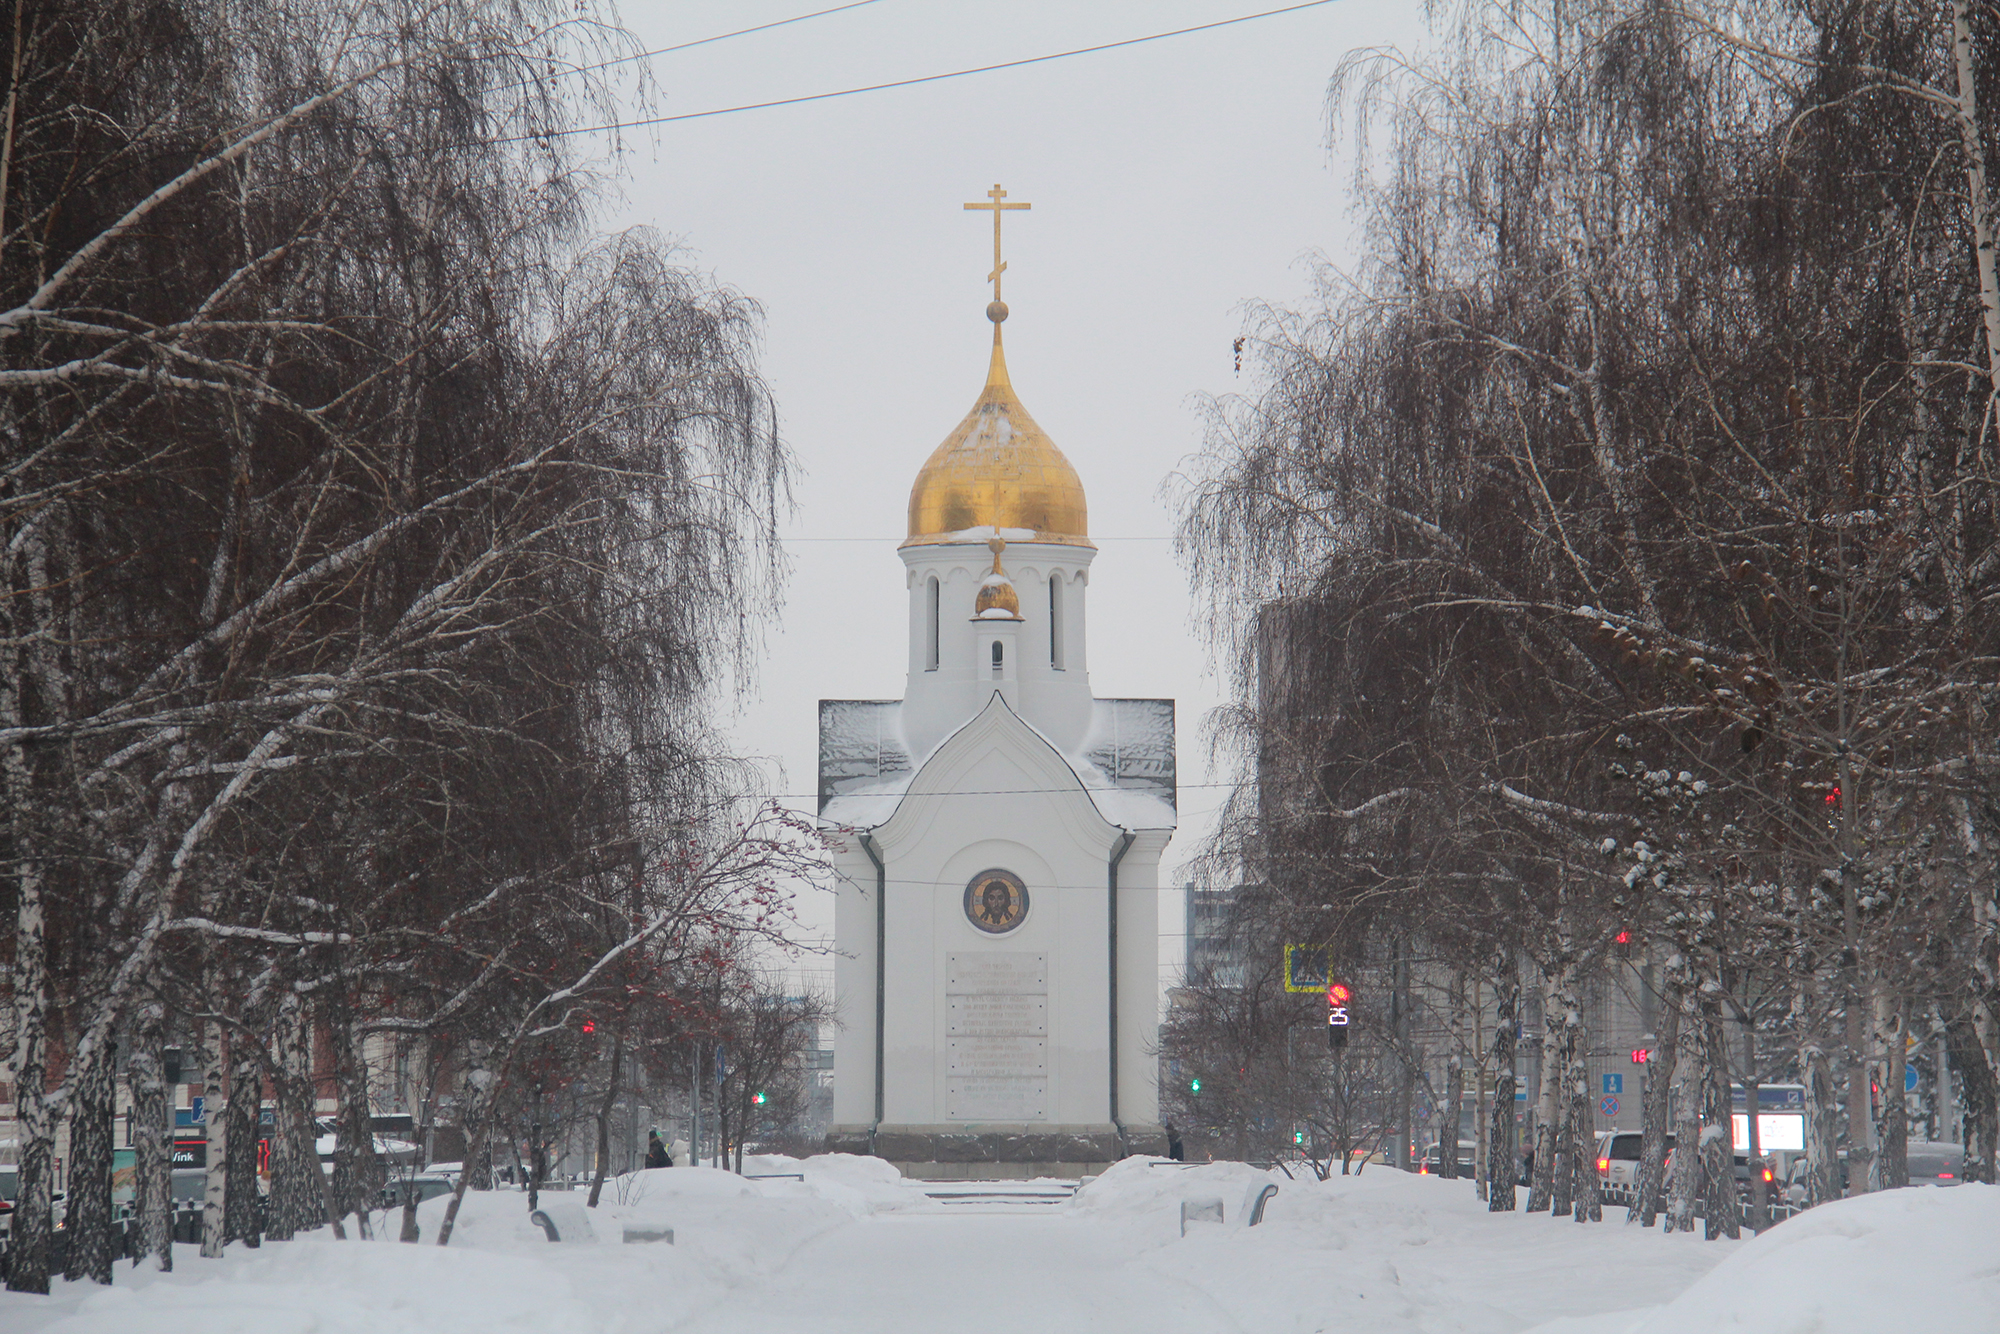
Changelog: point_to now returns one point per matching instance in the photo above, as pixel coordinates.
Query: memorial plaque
(997, 1021)
(996, 972)
(985, 1014)
(974, 1098)
(1000, 1057)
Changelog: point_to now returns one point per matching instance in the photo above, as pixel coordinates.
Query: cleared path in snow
(967, 1273)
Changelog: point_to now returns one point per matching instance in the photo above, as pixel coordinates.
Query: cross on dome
(998, 473)
(998, 310)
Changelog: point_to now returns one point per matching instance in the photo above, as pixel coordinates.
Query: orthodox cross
(996, 194)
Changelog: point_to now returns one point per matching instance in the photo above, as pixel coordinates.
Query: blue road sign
(1614, 1084)
(1909, 1079)
(197, 1111)
(1609, 1106)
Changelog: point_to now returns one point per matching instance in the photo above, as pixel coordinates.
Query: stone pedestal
(998, 1153)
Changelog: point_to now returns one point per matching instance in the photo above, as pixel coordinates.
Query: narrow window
(1055, 622)
(931, 630)
(996, 659)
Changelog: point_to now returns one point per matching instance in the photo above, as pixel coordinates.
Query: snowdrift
(1917, 1259)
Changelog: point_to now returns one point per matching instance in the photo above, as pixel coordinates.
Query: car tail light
(1604, 1167)
(1423, 1169)
(1769, 1176)
(1947, 1176)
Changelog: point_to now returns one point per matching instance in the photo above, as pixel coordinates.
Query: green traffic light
(757, 1098)
(1194, 1086)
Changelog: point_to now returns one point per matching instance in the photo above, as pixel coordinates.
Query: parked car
(1432, 1163)
(1936, 1164)
(427, 1185)
(1618, 1164)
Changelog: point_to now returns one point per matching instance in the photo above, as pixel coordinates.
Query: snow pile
(842, 1245)
(858, 1184)
(1387, 1251)
(1143, 1196)
(1901, 1259)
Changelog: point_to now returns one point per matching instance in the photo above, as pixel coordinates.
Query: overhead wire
(719, 37)
(648, 121)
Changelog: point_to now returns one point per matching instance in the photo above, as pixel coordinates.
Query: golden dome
(996, 591)
(998, 470)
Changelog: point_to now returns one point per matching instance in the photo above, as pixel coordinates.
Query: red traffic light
(1641, 1055)
(1337, 993)
(1624, 937)
(590, 1025)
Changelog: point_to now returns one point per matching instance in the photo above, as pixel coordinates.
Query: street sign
(1307, 967)
(197, 1111)
(1609, 1106)
(1614, 1084)
(1909, 1079)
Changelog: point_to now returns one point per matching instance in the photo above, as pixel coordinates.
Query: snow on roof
(862, 755)
(986, 530)
(1127, 766)
(1132, 742)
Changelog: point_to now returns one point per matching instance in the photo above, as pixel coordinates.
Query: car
(1618, 1164)
(1933, 1163)
(426, 1185)
(1432, 1163)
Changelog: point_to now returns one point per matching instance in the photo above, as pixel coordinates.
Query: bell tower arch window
(931, 624)
(1056, 622)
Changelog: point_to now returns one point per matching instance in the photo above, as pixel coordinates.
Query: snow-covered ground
(852, 1247)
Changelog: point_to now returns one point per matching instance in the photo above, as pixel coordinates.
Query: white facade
(996, 1051)
(1042, 671)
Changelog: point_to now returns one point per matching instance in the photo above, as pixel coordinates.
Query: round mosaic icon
(996, 901)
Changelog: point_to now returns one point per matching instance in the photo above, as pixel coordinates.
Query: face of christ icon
(997, 905)
(996, 901)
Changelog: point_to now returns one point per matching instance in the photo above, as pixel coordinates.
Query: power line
(719, 37)
(900, 83)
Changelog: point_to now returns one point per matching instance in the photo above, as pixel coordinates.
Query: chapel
(1000, 831)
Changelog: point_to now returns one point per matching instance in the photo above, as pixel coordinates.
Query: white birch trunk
(215, 1091)
(1979, 197)
(1542, 1182)
(152, 1141)
(1684, 1182)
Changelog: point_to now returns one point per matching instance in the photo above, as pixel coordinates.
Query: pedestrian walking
(656, 1152)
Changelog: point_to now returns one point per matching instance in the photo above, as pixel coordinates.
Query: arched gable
(1006, 772)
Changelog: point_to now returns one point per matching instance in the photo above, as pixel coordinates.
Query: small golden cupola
(997, 600)
(998, 473)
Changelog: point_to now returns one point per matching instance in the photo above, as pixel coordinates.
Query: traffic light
(758, 1098)
(1622, 943)
(1338, 994)
(1194, 1086)
(1298, 1137)
(1641, 1055)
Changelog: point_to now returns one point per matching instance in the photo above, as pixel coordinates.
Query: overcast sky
(1172, 183)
